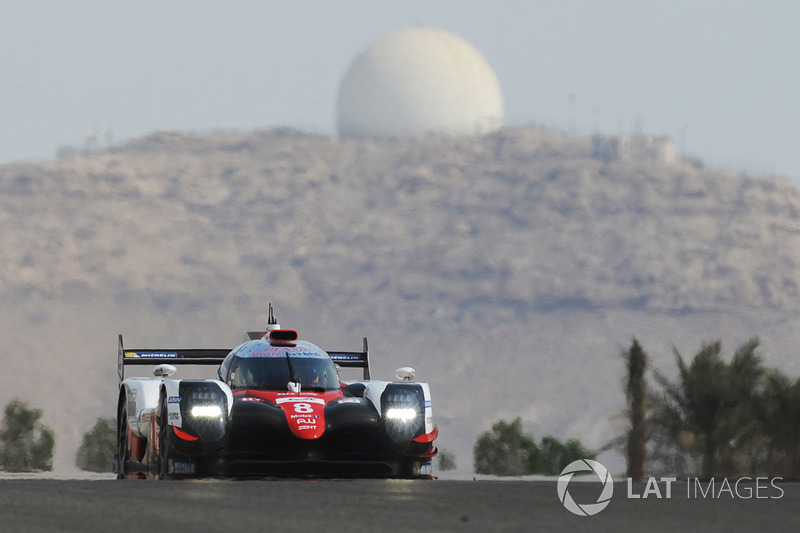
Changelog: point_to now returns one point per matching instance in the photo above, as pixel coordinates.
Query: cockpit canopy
(275, 373)
(314, 374)
(270, 365)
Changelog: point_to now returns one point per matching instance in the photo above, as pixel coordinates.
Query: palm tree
(709, 410)
(778, 412)
(636, 409)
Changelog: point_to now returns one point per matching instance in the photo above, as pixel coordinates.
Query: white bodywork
(142, 396)
(374, 391)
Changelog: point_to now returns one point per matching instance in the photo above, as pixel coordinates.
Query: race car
(278, 408)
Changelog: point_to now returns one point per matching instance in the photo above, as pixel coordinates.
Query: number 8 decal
(303, 408)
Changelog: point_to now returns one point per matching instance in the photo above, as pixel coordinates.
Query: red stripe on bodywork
(306, 419)
(135, 445)
(428, 437)
(183, 434)
(433, 451)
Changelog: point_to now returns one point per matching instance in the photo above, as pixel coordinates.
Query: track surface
(39, 505)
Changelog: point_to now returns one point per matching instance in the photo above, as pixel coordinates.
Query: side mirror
(405, 373)
(164, 371)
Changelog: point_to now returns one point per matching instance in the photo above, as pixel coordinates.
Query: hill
(509, 270)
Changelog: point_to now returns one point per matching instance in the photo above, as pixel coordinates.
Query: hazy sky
(719, 77)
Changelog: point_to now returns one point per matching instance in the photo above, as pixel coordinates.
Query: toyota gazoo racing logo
(585, 509)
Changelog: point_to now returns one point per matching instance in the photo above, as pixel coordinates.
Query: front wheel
(163, 442)
(123, 454)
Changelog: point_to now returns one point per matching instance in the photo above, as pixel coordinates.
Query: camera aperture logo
(585, 509)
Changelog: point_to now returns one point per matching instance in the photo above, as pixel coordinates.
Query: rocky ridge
(520, 258)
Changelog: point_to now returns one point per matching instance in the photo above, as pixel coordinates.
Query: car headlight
(402, 411)
(204, 410)
(209, 411)
(404, 414)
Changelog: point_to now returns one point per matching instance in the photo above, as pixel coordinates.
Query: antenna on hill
(684, 130)
(572, 127)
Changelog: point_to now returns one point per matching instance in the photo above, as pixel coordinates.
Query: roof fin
(272, 324)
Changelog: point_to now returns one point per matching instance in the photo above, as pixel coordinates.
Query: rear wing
(353, 359)
(214, 356)
(138, 356)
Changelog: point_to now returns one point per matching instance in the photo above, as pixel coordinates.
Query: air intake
(282, 336)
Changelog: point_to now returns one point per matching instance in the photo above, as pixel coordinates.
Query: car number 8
(303, 408)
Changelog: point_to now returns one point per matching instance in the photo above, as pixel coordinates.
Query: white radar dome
(414, 82)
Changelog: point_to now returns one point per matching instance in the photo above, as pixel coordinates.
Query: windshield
(274, 373)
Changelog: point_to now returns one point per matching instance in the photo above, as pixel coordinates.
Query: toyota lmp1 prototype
(277, 408)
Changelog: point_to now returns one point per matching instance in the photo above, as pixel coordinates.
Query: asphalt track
(52, 505)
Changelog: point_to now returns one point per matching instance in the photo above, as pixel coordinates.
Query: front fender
(141, 398)
(199, 410)
(388, 395)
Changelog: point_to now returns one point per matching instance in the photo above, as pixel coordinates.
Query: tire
(122, 440)
(163, 441)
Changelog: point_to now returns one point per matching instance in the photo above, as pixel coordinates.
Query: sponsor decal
(427, 404)
(181, 467)
(151, 355)
(304, 415)
(425, 469)
(345, 357)
(174, 399)
(281, 351)
(300, 399)
(350, 400)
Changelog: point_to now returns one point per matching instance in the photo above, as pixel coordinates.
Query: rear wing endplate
(353, 359)
(138, 356)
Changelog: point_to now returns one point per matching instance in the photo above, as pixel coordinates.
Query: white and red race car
(277, 408)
